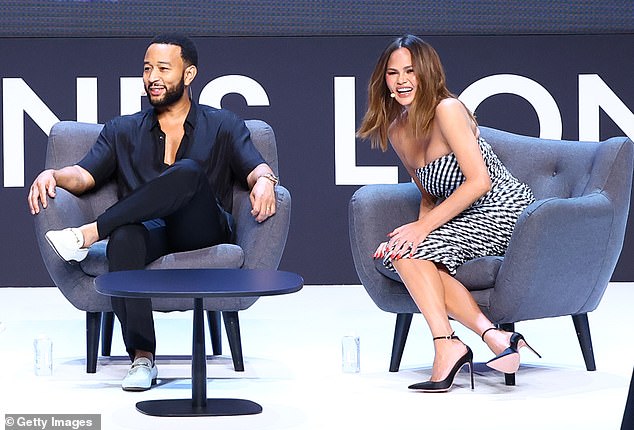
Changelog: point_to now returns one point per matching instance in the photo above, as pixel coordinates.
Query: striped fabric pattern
(482, 229)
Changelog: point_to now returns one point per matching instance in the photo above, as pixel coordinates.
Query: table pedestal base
(186, 408)
(198, 284)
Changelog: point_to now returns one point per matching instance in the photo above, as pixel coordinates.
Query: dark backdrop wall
(307, 78)
(86, 18)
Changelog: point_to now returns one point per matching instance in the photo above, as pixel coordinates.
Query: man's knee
(189, 171)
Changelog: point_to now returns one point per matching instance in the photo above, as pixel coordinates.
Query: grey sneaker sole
(139, 388)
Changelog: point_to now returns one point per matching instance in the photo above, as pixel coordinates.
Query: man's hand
(72, 178)
(43, 187)
(263, 199)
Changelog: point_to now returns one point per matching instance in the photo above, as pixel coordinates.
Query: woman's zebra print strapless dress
(482, 229)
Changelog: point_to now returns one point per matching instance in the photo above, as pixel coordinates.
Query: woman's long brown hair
(431, 89)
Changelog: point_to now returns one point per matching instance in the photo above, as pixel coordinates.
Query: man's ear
(190, 74)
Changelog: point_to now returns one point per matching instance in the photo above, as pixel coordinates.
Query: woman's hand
(402, 239)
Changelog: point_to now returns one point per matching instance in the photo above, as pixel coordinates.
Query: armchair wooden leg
(628, 414)
(582, 326)
(509, 378)
(107, 327)
(213, 319)
(232, 325)
(93, 322)
(401, 330)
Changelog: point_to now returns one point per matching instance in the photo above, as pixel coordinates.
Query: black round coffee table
(198, 284)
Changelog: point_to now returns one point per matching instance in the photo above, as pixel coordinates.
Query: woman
(469, 206)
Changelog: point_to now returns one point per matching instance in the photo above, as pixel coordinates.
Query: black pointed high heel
(445, 384)
(508, 361)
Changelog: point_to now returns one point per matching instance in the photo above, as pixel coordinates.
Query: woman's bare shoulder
(451, 113)
(450, 106)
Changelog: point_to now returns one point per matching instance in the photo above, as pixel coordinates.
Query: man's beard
(170, 97)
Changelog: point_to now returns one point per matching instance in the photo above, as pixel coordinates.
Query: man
(174, 164)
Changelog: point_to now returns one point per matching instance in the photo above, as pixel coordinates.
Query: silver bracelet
(271, 177)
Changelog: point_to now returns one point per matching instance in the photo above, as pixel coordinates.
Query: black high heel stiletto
(508, 361)
(445, 384)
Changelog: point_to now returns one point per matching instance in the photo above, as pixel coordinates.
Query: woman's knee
(414, 264)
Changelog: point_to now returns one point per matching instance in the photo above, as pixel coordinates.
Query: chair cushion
(225, 255)
(475, 275)
(480, 273)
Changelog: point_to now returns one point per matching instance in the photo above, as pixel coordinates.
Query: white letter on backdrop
(346, 170)
(544, 104)
(247, 87)
(87, 100)
(17, 99)
(130, 92)
(594, 94)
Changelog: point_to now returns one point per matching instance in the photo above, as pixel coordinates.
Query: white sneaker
(141, 376)
(67, 243)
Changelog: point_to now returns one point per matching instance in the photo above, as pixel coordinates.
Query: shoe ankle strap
(486, 331)
(451, 336)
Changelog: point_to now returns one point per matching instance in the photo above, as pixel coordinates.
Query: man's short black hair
(189, 53)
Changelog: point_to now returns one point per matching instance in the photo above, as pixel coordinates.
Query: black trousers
(177, 211)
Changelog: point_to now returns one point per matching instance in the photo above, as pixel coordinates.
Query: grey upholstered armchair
(561, 255)
(257, 245)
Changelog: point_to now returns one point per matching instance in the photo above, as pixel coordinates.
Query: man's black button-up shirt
(131, 149)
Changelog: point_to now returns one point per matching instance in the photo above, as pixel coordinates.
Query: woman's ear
(190, 74)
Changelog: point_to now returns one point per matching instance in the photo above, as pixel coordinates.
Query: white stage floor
(292, 351)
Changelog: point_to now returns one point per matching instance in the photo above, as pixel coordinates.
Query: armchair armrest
(374, 211)
(262, 243)
(63, 211)
(555, 261)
